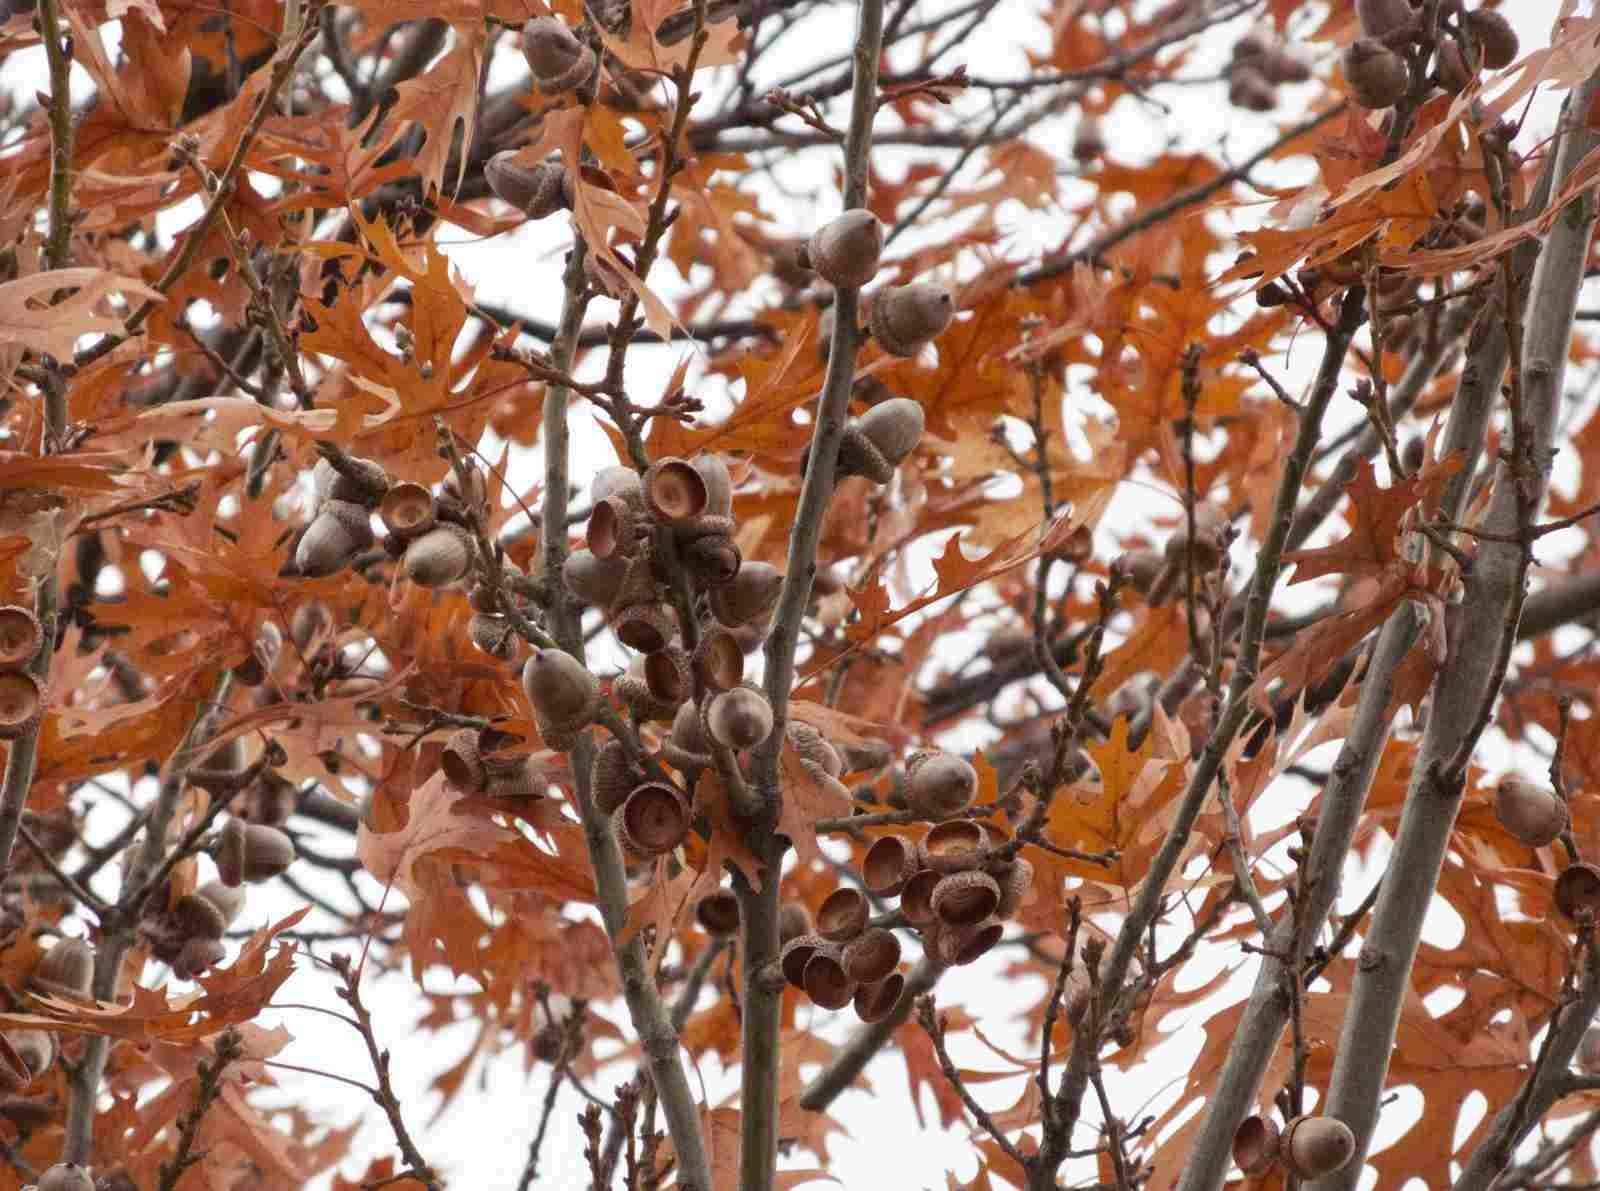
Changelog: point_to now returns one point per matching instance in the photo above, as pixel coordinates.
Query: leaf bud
(739, 719)
(1495, 37)
(558, 60)
(536, 190)
(844, 252)
(439, 557)
(1378, 77)
(907, 317)
(1315, 1146)
(1531, 812)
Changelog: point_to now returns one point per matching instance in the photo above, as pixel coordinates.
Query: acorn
(645, 627)
(843, 914)
(1213, 533)
(964, 898)
(364, 488)
(406, 511)
(1141, 568)
(708, 552)
(36, 1049)
(874, 1002)
(21, 703)
(68, 968)
(1378, 77)
(338, 532)
(198, 918)
(617, 525)
(844, 252)
(253, 670)
(871, 955)
(859, 756)
(564, 695)
(1455, 67)
(536, 190)
(916, 897)
(739, 719)
(270, 799)
(251, 852)
(874, 444)
(666, 673)
(939, 786)
(906, 318)
(718, 483)
(718, 912)
(1379, 18)
(1495, 37)
(462, 762)
(674, 490)
(960, 945)
(227, 900)
(1255, 1144)
(718, 662)
(592, 579)
(889, 863)
(19, 636)
(558, 60)
(633, 688)
(1314, 1146)
(475, 496)
(310, 621)
(614, 481)
(952, 846)
(495, 635)
(748, 596)
(1532, 813)
(654, 819)
(688, 734)
(439, 557)
(1577, 891)
(1015, 882)
(1281, 65)
(1088, 141)
(66, 1176)
(826, 982)
(612, 777)
(1249, 90)
(197, 957)
(223, 770)
(794, 920)
(796, 954)
(1589, 1051)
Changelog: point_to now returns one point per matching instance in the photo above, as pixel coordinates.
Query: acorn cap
(1532, 813)
(645, 627)
(1015, 882)
(634, 691)
(198, 918)
(1377, 76)
(329, 483)
(1249, 90)
(557, 685)
(916, 897)
(1379, 18)
(952, 846)
(907, 318)
(845, 250)
(1495, 37)
(871, 955)
(748, 596)
(959, 945)
(889, 863)
(1577, 891)
(874, 1002)
(712, 560)
(36, 1049)
(536, 190)
(964, 898)
(461, 761)
(493, 634)
(439, 557)
(557, 59)
(1255, 1144)
(338, 532)
(514, 777)
(718, 661)
(1589, 1051)
(1316, 1146)
(739, 719)
(674, 490)
(68, 967)
(655, 818)
(843, 914)
(794, 920)
(718, 483)
(21, 703)
(593, 579)
(198, 956)
(687, 731)
(796, 954)
(718, 912)
(19, 635)
(406, 510)
(666, 673)
(939, 785)
(228, 900)
(66, 1176)
(825, 980)
(615, 525)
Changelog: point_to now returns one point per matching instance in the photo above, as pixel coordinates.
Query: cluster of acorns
(1375, 64)
(1310, 1147)
(1259, 65)
(1160, 574)
(21, 692)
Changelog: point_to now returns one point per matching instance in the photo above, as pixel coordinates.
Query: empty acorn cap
(842, 915)
(461, 761)
(21, 702)
(845, 250)
(712, 559)
(871, 955)
(558, 685)
(748, 596)
(439, 557)
(674, 490)
(718, 483)
(592, 579)
(655, 818)
(907, 317)
(916, 898)
(889, 863)
(740, 718)
(1532, 813)
(874, 1002)
(407, 510)
(19, 635)
(666, 673)
(67, 967)
(1315, 1146)
(718, 912)
(614, 526)
(826, 982)
(939, 785)
(960, 945)
(796, 954)
(894, 426)
(794, 920)
(964, 898)
(645, 627)
(338, 532)
(718, 661)
(953, 845)
(1577, 891)
(1255, 1144)
(66, 1176)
